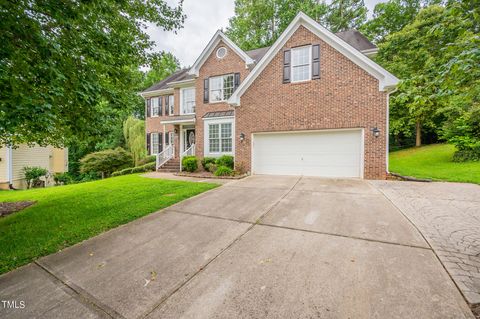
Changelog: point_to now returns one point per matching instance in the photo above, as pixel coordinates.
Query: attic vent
(221, 52)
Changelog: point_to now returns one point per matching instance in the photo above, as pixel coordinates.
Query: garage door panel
(329, 154)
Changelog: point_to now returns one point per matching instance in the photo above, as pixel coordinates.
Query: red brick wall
(345, 96)
(213, 66)
(153, 125)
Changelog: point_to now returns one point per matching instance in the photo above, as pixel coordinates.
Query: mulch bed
(209, 175)
(10, 208)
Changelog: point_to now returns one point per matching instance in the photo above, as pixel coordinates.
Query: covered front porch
(180, 144)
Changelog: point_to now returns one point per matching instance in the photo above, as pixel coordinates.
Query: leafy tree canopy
(69, 69)
(346, 14)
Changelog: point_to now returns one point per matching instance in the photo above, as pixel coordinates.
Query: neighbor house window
(301, 67)
(221, 87)
(220, 138)
(188, 101)
(155, 106)
(155, 143)
(171, 104)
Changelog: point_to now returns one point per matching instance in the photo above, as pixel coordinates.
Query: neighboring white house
(13, 160)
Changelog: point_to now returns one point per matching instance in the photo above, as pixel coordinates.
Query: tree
(346, 14)
(69, 69)
(259, 23)
(134, 134)
(162, 65)
(392, 16)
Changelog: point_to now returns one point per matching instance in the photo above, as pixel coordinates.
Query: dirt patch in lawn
(10, 208)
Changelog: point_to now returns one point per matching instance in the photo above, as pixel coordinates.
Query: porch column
(163, 138)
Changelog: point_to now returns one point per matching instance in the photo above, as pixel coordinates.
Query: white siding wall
(29, 156)
(3, 165)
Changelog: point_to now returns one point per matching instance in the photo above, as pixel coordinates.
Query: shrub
(137, 169)
(223, 171)
(467, 155)
(190, 163)
(106, 162)
(206, 161)
(225, 160)
(211, 167)
(33, 174)
(146, 160)
(62, 178)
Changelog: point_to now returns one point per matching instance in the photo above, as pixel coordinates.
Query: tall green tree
(417, 54)
(392, 16)
(258, 23)
(161, 66)
(69, 69)
(346, 14)
(134, 134)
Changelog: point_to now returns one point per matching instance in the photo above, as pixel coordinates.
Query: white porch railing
(188, 152)
(164, 156)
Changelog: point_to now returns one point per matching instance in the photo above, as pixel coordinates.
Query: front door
(189, 138)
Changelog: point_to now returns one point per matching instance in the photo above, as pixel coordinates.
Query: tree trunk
(418, 134)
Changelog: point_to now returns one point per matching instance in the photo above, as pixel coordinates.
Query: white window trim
(168, 97)
(206, 139)
(309, 63)
(210, 87)
(182, 97)
(151, 143)
(151, 106)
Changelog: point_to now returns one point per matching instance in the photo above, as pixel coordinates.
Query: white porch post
(180, 151)
(163, 138)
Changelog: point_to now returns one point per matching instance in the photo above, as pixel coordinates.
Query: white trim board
(217, 37)
(387, 81)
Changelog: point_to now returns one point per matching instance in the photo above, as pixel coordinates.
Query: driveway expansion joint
(79, 293)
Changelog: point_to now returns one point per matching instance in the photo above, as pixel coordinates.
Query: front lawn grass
(434, 162)
(66, 215)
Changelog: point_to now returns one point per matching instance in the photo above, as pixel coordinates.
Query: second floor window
(301, 59)
(221, 87)
(156, 106)
(188, 101)
(171, 104)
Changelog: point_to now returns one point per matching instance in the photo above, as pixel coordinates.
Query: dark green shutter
(160, 102)
(149, 107)
(148, 144)
(286, 66)
(316, 61)
(205, 90)
(236, 81)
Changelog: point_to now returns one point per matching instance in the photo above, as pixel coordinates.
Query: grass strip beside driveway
(434, 162)
(66, 215)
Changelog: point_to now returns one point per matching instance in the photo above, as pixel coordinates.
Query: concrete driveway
(264, 246)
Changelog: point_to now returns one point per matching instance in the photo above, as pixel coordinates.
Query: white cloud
(204, 18)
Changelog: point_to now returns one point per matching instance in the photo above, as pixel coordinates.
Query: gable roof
(165, 84)
(387, 81)
(217, 37)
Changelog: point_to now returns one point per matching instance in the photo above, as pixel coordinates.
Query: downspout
(10, 167)
(388, 128)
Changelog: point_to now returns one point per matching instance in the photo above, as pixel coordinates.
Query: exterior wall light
(242, 137)
(376, 132)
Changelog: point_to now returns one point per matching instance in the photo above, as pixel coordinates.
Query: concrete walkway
(273, 247)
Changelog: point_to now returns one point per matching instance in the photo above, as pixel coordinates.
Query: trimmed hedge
(225, 160)
(206, 161)
(190, 163)
(223, 171)
(138, 169)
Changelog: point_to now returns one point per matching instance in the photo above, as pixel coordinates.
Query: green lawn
(66, 215)
(434, 162)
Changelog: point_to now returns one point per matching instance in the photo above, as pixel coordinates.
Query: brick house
(313, 103)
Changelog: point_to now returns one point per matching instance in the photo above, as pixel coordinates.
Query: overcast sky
(204, 18)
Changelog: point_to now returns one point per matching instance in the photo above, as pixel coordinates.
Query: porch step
(171, 166)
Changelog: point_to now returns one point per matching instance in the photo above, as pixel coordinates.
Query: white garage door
(325, 153)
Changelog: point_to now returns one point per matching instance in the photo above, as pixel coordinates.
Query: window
(188, 101)
(220, 138)
(301, 68)
(221, 52)
(221, 87)
(155, 141)
(171, 104)
(156, 106)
